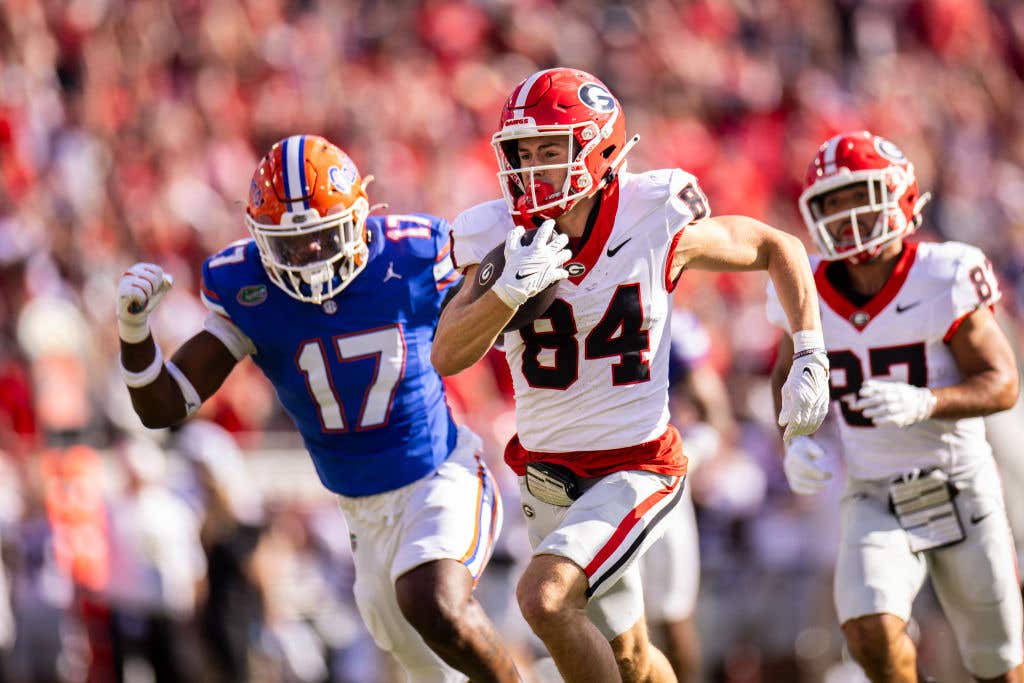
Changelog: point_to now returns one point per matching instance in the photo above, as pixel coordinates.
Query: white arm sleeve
(228, 333)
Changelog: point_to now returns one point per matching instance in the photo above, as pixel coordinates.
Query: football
(487, 274)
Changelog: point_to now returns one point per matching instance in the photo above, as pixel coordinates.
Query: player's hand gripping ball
(524, 272)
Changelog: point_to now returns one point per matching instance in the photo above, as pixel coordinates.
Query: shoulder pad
(232, 267)
(944, 260)
(968, 275)
(478, 229)
(417, 234)
(672, 191)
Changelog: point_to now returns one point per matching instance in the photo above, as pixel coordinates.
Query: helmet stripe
(291, 152)
(302, 171)
(830, 153)
(524, 93)
(284, 170)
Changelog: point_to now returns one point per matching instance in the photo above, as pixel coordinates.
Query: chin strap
(316, 280)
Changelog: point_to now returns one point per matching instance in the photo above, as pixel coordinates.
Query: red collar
(591, 251)
(860, 316)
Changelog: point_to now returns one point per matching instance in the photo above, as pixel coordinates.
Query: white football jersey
(593, 372)
(903, 334)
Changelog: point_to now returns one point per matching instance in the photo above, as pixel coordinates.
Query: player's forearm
(984, 393)
(466, 331)
(159, 403)
(791, 275)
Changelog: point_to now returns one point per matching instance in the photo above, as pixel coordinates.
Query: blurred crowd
(129, 131)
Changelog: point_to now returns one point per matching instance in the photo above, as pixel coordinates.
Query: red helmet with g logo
(892, 205)
(568, 104)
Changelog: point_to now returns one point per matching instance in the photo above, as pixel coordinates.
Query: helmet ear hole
(607, 151)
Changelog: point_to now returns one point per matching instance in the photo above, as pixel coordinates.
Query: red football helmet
(560, 103)
(893, 201)
(307, 212)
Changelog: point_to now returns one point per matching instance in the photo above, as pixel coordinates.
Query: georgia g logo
(485, 274)
(596, 97)
(888, 150)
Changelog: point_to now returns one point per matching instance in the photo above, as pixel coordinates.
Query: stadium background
(129, 130)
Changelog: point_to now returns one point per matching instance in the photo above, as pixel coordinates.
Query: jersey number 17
(386, 344)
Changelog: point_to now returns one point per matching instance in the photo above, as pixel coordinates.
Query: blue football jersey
(354, 372)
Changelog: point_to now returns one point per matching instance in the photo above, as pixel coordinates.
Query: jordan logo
(391, 272)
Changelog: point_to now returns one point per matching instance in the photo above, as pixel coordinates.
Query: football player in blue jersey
(338, 310)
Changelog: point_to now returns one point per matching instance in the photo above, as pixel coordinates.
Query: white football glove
(806, 476)
(530, 269)
(805, 395)
(140, 290)
(885, 402)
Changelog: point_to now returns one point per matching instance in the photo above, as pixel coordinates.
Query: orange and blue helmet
(307, 212)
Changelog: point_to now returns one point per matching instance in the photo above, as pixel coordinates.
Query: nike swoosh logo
(520, 276)
(975, 519)
(612, 251)
(901, 309)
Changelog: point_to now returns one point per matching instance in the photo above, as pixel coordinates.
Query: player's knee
(541, 600)
(551, 592)
(874, 642)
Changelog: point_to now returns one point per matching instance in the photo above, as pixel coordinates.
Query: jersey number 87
(846, 364)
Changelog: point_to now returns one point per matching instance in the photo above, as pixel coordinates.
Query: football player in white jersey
(917, 359)
(599, 467)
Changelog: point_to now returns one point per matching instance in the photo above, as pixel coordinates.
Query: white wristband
(506, 297)
(930, 401)
(133, 332)
(191, 396)
(808, 341)
(136, 380)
